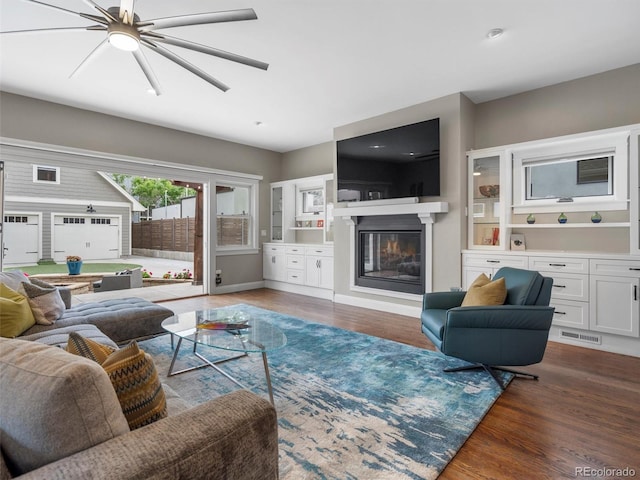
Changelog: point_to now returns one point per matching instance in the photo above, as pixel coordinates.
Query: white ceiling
(332, 62)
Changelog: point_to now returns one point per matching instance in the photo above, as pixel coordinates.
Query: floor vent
(581, 337)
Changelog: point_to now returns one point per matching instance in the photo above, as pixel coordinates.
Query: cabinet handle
(634, 269)
(559, 286)
(560, 313)
(318, 263)
(557, 264)
(493, 261)
(635, 293)
(273, 259)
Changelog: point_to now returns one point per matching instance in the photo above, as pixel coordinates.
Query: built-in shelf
(571, 225)
(305, 228)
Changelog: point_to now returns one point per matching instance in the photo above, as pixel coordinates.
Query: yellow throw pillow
(15, 313)
(484, 292)
(133, 376)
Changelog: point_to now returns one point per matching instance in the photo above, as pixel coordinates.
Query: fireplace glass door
(391, 260)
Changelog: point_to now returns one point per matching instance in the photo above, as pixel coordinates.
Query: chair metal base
(492, 371)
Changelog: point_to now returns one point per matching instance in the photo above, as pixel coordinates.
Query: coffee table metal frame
(243, 340)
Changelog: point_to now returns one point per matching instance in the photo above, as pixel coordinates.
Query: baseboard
(380, 305)
(300, 289)
(237, 287)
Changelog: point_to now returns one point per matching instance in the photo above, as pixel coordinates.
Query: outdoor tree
(152, 192)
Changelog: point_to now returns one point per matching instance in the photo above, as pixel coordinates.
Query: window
(236, 211)
(580, 174)
(43, 174)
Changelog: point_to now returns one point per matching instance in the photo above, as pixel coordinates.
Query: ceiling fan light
(124, 41)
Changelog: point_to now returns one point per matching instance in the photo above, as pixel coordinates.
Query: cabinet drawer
(270, 248)
(570, 314)
(569, 287)
(559, 264)
(619, 268)
(295, 276)
(319, 251)
(495, 261)
(295, 261)
(294, 250)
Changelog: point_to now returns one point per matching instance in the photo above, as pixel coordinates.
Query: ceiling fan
(127, 32)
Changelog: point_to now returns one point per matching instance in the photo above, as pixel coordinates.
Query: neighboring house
(51, 212)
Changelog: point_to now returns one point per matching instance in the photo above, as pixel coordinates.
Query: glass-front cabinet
(276, 213)
(486, 200)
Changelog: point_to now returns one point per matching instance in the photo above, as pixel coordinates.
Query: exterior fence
(178, 234)
(174, 234)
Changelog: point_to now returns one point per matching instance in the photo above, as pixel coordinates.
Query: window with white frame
(46, 174)
(236, 213)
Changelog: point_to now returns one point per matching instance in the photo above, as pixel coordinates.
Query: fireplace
(389, 253)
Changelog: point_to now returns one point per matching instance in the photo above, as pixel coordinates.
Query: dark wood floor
(583, 412)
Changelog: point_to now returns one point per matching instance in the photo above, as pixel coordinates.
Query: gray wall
(307, 162)
(40, 121)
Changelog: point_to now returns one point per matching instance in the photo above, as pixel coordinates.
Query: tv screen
(395, 163)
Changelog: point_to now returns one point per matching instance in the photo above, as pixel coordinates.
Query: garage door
(20, 237)
(92, 238)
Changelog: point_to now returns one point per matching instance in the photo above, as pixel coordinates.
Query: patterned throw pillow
(15, 313)
(485, 292)
(133, 376)
(45, 302)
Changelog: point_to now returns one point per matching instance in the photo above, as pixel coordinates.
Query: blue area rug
(350, 406)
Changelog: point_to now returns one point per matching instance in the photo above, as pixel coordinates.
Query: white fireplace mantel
(425, 212)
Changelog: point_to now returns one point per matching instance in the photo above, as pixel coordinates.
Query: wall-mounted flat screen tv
(396, 163)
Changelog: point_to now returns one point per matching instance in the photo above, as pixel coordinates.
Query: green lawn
(86, 268)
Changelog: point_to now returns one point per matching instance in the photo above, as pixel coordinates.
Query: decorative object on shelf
(308, 224)
(74, 264)
(496, 236)
(596, 217)
(562, 218)
(320, 223)
(517, 241)
(489, 191)
(531, 219)
(298, 223)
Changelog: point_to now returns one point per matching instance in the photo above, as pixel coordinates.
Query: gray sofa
(60, 417)
(61, 420)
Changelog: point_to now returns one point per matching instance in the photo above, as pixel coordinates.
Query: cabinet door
(614, 305)
(277, 214)
(469, 274)
(274, 267)
(319, 272)
(485, 208)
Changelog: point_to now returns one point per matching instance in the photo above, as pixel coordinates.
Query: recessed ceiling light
(494, 33)
(259, 124)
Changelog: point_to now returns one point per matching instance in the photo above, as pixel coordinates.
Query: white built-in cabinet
(596, 297)
(299, 268)
(596, 291)
(299, 255)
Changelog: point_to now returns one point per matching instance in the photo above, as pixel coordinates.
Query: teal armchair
(492, 337)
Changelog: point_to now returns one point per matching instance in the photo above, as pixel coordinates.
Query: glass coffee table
(226, 328)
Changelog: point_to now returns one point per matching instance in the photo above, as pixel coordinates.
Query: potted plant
(74, 264)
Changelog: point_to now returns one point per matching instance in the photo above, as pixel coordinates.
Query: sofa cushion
(53, 404)
(59, 337)
(133, 376)
(485, 292)
(13, 278)
(121, 319)
(15, 313)
(45, 302)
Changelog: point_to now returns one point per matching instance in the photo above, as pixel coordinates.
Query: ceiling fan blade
(126, 11)
(148, 72)
(185, 64)
(103, 11)
(70, 12)
(199, 19)
(58, 29)
(178, 42)
(94, 53)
